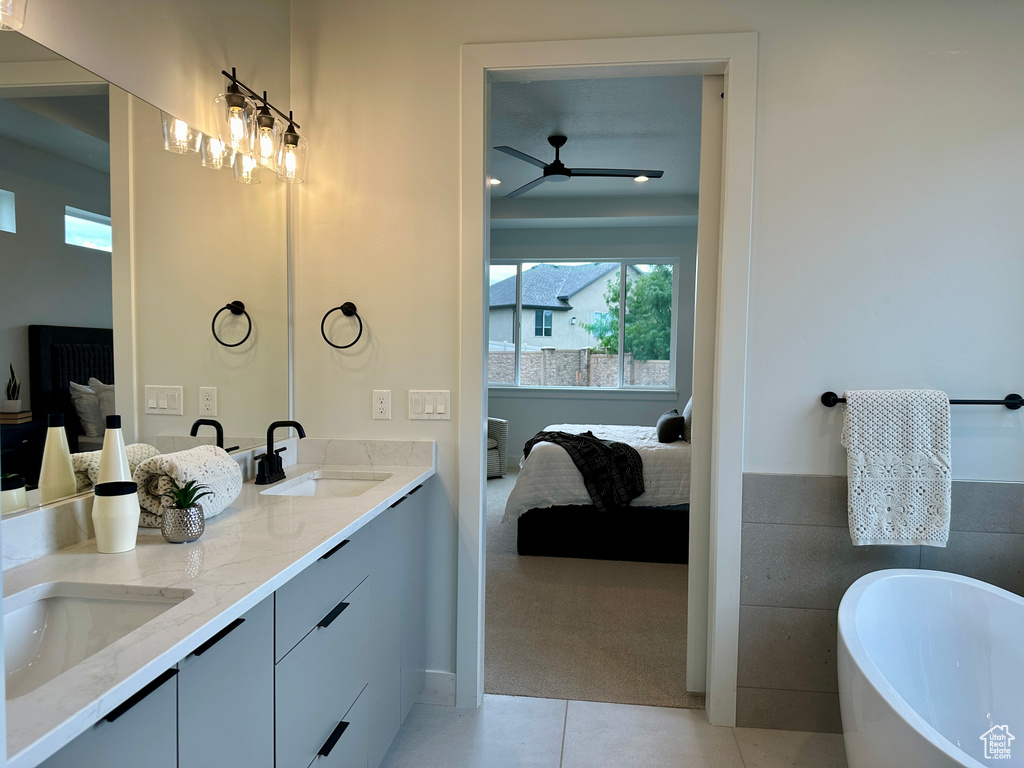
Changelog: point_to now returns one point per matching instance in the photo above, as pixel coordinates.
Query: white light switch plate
(164, 401)
(433, 404)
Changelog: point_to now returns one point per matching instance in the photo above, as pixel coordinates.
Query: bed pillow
(670, 427)
(105, 392)
(87, 406)
(688, 420)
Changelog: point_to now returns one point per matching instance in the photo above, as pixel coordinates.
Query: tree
(648, 315)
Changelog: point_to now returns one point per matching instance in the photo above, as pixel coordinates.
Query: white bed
(548, 477)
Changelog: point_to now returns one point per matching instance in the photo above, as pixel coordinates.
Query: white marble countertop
(247, 552)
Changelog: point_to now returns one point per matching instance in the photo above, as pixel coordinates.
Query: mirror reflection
(107, 310)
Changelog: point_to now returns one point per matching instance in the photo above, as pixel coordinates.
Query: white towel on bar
(898, 466)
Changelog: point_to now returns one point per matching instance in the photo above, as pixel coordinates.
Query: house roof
(549, 286)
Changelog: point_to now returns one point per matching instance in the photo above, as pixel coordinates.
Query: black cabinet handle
(327, 620)
(119, 710)
(324, 557)
(415, 489)
(218, 637)
(325, 750)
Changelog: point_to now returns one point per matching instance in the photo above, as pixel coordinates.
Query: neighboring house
(558, 301)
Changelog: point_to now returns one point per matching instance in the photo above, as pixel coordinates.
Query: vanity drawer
(349, 749)
(307, 598)
(320, 679)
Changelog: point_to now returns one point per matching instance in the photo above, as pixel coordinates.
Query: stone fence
(550, 367)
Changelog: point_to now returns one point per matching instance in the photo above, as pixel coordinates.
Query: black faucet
(269, 468)
(208, 423)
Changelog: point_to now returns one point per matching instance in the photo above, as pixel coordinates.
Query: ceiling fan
(556, 170)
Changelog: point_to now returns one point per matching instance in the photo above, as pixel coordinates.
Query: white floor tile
(601, 735)
(762, 748)
(505, 732)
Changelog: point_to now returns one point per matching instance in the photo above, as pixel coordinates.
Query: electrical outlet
(382, 403)
(207, 401)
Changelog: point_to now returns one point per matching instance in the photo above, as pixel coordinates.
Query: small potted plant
(183, 520)
(12, 395)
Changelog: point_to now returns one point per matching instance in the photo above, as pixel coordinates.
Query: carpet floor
(593, 630)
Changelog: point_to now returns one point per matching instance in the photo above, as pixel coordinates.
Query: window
(87, 230)
(623, 335)
(542, 322)
(7, 218)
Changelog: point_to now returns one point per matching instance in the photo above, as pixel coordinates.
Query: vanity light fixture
(235, 113)
(12, 14)
(292, 156)
(247, 169)
(215, 153)
(267, 136)
(179, 136)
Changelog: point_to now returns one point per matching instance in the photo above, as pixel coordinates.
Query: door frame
(735, 57)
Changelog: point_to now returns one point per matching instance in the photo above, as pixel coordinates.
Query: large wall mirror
(115, 255)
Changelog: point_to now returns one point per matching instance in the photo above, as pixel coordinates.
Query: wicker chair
(497, 447)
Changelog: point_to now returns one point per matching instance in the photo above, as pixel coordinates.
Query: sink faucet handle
(283, 448)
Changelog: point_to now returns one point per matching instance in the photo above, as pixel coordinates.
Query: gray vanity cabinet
(412, 519)
(398, 651)
(226, 695)
(140, 733)
(319, 680)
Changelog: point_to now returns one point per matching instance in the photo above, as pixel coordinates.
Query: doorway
(590, 328)
(735, 57)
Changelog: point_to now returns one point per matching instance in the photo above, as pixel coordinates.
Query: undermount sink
(329, 482)
(51, 627)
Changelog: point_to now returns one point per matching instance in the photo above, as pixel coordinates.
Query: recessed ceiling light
(641, 179)
(495, 182)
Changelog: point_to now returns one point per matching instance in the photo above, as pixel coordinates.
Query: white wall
(886, 235)
(171, 53)
(199, 241)
(44, 281)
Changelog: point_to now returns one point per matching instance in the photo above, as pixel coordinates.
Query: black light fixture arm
(255, 96)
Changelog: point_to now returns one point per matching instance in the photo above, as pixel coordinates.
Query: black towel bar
(1011, 401)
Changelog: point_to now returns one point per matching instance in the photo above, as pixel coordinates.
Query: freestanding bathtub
(931, 672)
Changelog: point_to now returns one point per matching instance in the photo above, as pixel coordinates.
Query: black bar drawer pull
(324, 557)
(335, 613)
(325, 750)
(218, 637)
(119, 710)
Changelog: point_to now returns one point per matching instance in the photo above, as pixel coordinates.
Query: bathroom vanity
(295, 634)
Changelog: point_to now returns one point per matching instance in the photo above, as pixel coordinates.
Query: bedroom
(557, 258)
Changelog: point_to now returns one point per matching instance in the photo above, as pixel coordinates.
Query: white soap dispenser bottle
(114, 458)
(56, 476)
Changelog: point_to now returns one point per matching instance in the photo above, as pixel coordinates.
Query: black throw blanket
(612, 472)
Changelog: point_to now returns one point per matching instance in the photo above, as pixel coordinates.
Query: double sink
(51, 627)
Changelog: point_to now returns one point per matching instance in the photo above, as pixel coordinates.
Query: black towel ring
(235, 308)
(348, 309)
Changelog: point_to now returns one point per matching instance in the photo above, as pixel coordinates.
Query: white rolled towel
(206, 464)
(87, 464)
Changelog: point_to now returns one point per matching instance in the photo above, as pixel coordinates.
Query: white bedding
(548, 478)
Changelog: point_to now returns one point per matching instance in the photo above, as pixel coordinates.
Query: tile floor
(521, 732)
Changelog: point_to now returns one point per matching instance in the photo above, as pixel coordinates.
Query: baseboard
(439, 688)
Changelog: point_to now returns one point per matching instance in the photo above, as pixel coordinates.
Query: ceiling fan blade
(522, 156)
(630, 172)
(527, 187)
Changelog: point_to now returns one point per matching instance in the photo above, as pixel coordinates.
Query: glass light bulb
(236, 125)
(12, 14)
(179, 136)
(215, 153)
(290, 163)
(247, 169)
(266, 146)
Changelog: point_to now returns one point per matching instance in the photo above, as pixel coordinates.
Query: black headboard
(60, 354)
